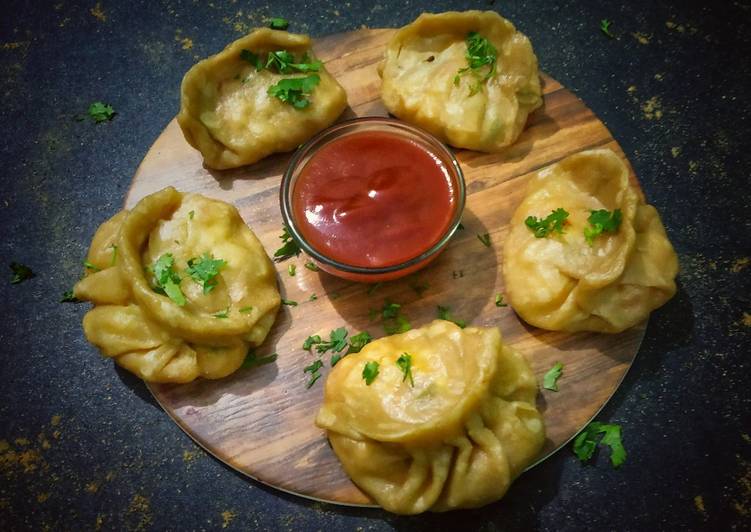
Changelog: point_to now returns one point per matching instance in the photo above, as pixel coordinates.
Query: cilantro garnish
(393, 320)
(278, 23)
(337, 341)
(586, 442)
(114, 254)
(605, 27)
(310, 341)
(294, 90)
(246, 310)
(291, 270)
(251, 360)
(370, 372)
(89, 266)
(444, 313)
(312, 297)
(311, 266)
(101, 112)
(167, 279)
(222, 314)
(418, 285)
(485, 239)
(204, 270)
(550, 380)
(499, 300)
(405, 364)
(284, 62)
(481, 55)
(602, 221)
(289, 302)
(358, 341)
(68, 297)
(460, 226)
(191, 214)
(314, 370)
(253, 59)
(541, 227)
(289, 246)
(21, 272)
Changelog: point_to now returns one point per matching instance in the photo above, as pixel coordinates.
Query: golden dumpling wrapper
(454, 436)
(422, 83)
(227, 114)
(561, 282)
(144, 330)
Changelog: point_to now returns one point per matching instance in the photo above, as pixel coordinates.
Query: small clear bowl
(374, 124)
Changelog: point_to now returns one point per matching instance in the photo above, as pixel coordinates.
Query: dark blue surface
(83, 446)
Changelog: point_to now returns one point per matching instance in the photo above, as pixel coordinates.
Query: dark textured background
(82, 446)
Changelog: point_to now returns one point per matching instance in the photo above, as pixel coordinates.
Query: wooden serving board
(260, 421)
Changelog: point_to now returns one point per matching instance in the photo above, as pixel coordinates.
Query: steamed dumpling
(424, 82)
(562, 282)
(228, 114)
(455, 435)
(221, 316)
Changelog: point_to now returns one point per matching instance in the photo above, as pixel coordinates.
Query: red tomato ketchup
(373, 199)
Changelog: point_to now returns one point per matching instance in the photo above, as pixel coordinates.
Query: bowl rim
(285, 193)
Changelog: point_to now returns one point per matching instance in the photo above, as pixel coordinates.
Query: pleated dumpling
(605, 266)
(182, 288)
(445, 419)
(467, 77)
(264, 93)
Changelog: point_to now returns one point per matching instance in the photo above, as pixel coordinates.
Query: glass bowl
(426, 142)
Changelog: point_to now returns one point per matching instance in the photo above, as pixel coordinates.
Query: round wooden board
(260, 421)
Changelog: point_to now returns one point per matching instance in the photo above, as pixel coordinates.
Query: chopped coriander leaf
(358, 341)
(312, 266)
(481, 54)
(191, 214)
(460, 226)
(541, 227)
(485, 239)
(252, 360)
(419, 286)
(550, 380)
(393, 320)
(204, 271)
(284, 62)
(404, 362)
(602, 221)
(278, 23)
(167, 279)
(291, 270)
(21, 272)
(68, 297)
(605, 27)
(89, 266)
(314, 370)
(390, 310)
(370, 371)
(499, 300)
(289, 302)
(312, 297)
(222, 314)
(337, 341)
(444, 313)
(310, 341)
(373, 287)
(294, 90)
(246, 310)
(289, 246)
(335, 358)
(101, 112)
(586, 442)
(253, 59)
(114, 254)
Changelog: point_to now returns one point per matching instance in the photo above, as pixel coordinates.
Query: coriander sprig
(602, 221)
(481, 56)
(554, 222)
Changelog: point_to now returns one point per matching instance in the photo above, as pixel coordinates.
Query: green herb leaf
(101, 112)
(251, 360)
(608, 434)
(605, 27)
(89, 266)
(481, 57)
(277, 23)
(222, 314)
(418, 285)
(312, 266)
(21, 272)
(444, 313)
(485, 239)
(294, 90)
(393, 320)
(253, 59)
(291, 270)
(191, 214)
(114, 254)
(167, 279)
(289, 302)
(246, 310)
(289, 246)
(204, 271)
(358, 341)
(405, 364)
(460, 226)
(550, 380)
(499, 300)
(337, 341)
(544, 226)
(310, 341)
(68, 297)
(314, 370)
(370, 372)
(312, 297)
(602, 221)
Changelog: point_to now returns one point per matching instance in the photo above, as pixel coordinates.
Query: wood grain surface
(260, 421)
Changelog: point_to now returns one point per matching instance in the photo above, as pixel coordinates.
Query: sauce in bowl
(372, 199)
